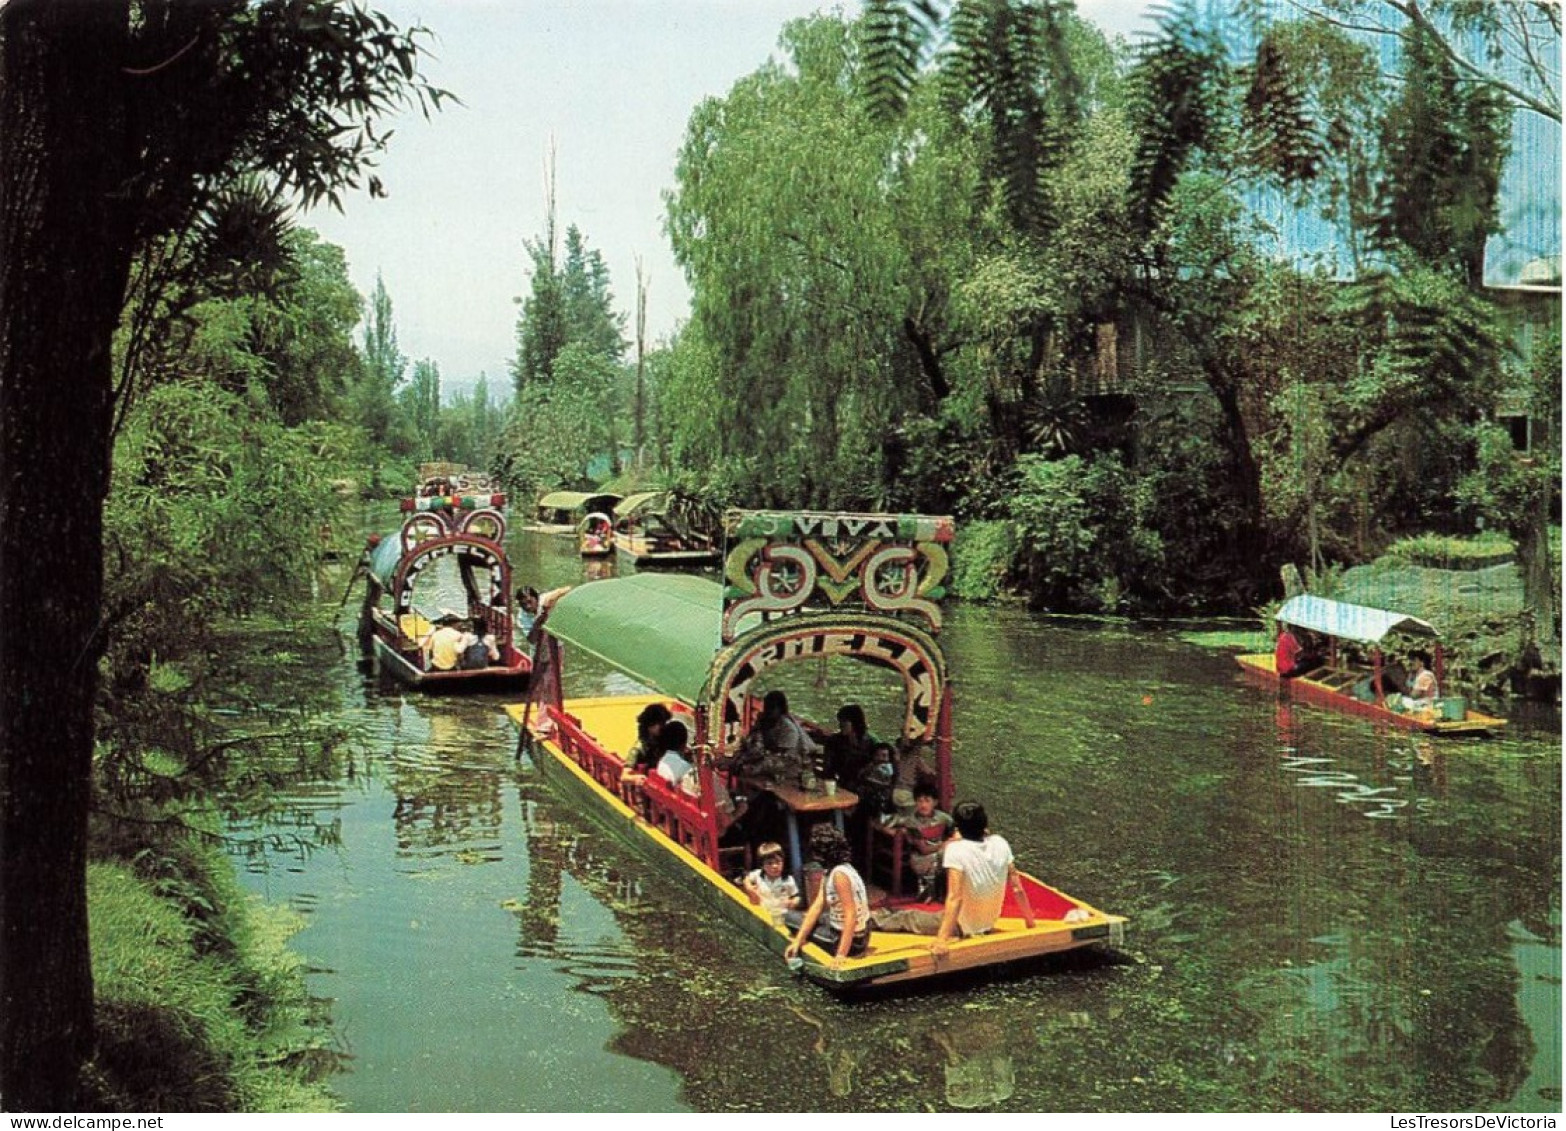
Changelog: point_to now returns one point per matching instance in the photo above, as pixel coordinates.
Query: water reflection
(1324, 917)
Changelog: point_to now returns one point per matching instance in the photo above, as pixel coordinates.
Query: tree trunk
(1533, 562)
(1249, 549)
(64, 261)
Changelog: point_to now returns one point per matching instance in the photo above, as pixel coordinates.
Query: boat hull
(499, 678)
(1259, 669)
(892, 958)
(666, 559)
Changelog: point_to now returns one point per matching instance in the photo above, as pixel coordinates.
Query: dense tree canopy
(180, 99)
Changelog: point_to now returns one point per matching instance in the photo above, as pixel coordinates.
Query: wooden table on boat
(797, 801)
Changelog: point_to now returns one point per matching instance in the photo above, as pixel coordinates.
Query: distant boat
(595, 536)
(1361, 687)
(647, 535)
(395, 622)
(561, 512)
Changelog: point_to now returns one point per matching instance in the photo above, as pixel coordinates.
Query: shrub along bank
(200, 1005)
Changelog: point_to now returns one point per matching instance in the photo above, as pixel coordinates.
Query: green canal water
(1324, 917)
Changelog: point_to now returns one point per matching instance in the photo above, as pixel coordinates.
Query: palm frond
(1176, 102)
(897, 39)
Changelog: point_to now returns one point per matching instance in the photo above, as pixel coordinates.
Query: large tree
(121, 118)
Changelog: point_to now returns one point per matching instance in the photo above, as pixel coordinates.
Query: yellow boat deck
(891, 956)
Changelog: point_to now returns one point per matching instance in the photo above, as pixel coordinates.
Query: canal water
(1324, 917)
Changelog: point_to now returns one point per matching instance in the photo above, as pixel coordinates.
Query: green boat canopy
(661, 629)
(384, 558)
(565, 500)
(1349, 622)
(633, 503)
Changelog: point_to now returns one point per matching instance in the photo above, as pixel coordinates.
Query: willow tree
(819, 245)
(121, 119)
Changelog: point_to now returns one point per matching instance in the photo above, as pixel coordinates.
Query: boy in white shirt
(769, 886)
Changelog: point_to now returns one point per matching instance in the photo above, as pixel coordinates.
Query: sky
(608, 86)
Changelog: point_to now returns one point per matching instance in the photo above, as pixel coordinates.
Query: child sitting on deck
(769, 886)
(926, 832)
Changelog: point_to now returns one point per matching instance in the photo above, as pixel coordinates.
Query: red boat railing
(667, 808)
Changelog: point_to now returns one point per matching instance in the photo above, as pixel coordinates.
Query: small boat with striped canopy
(1360, 684)
(799, 587)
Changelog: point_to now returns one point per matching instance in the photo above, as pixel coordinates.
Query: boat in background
(595, 536)
(1362, 687)
(800, 587)
(648, 535)
(561, 512)
(395, 622)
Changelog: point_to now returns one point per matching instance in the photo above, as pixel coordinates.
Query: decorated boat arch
(398, 618)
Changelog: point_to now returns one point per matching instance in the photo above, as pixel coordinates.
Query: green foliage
(419, 401)
(556, 428)
(1177, 90)
(569, 304)
(1084, 530)
(1446, 552)
(821, 246)
(983, 556)
(469, 426)
(186, 1027)
(1445, 143)
(373, 400)
(214, 513)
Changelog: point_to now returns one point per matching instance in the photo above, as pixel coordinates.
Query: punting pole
(943, 748)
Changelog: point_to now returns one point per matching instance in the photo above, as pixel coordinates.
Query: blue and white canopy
(1349, 622)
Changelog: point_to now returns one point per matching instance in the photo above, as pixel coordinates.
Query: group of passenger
(460, 645)
(662, 749)
(979, 869)
(1414, 689)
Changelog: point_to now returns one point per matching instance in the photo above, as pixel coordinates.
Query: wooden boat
(800, 587)
(561, 512)
(472, 531)
(440, 478)
(1357, 687)
(649, 537)
(595, 536)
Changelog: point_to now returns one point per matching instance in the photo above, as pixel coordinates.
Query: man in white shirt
(979, 867)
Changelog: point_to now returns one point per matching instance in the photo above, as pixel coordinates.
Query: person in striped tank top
(842, 899)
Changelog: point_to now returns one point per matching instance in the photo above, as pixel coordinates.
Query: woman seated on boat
(979, 868)
(1291, 658)
(1422, 688)
(478, 648)
(777, 748)
(850, 750)
(643, 756)
(678, 769)
(841, 898)
(874, 783)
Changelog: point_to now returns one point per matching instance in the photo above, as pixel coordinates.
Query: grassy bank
(199, 1004)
